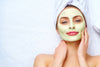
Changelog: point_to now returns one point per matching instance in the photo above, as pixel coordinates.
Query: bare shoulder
(97, 60)
(42, 60)
(94, 60)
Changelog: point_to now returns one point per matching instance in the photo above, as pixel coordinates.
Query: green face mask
(70, 24)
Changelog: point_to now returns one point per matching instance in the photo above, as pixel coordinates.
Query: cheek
(61, 28)
(80, 27)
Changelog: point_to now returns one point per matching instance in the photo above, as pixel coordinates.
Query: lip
(72, 33)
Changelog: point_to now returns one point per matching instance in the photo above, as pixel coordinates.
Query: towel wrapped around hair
(78, 3)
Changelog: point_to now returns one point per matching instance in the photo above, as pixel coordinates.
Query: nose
(72, 26)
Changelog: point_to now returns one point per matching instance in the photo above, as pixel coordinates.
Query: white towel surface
(27, 29)
(94, 26)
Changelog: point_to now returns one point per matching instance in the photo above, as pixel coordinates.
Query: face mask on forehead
(70, 24)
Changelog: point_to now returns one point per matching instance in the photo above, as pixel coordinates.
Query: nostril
(73, 27)
(69, 27)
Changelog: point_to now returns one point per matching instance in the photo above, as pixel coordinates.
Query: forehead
(70, 12)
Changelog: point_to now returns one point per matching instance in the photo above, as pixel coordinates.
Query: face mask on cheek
(71, 31)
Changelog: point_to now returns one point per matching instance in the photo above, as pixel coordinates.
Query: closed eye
(64, 22)
(77, 20)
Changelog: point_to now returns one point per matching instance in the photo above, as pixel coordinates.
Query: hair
(70, 6)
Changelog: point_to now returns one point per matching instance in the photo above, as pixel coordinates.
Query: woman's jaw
(70, 24)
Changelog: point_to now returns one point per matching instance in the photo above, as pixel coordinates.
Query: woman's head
(70, 23)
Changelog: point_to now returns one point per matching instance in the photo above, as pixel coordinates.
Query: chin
(73, 40)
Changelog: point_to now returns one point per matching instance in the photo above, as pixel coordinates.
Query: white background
(23, 25)
(27, 29)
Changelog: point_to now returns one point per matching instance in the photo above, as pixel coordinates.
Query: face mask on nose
(70, 24)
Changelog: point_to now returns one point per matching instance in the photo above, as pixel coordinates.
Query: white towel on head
(78, 3)
(96, 26)
(94, 15)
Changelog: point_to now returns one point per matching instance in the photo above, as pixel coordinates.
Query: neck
(72, 48)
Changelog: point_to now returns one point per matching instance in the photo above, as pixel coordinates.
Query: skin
(69, 54)
(70, 20)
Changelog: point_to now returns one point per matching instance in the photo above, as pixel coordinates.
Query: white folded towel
(81, 4)
(96, 26)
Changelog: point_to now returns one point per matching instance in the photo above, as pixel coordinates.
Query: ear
(57, 30)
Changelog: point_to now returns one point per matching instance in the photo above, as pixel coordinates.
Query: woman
(72, 50)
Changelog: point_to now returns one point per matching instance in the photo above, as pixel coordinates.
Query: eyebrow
(64, 17)
(77, 16)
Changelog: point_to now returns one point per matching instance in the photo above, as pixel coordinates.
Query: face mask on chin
(70, 24)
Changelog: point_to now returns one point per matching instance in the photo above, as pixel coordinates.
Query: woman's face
(70, 24)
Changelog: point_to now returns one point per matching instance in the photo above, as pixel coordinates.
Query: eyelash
(64, 22)
(77, 20)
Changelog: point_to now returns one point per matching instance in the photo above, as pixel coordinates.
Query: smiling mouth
(72, 33)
